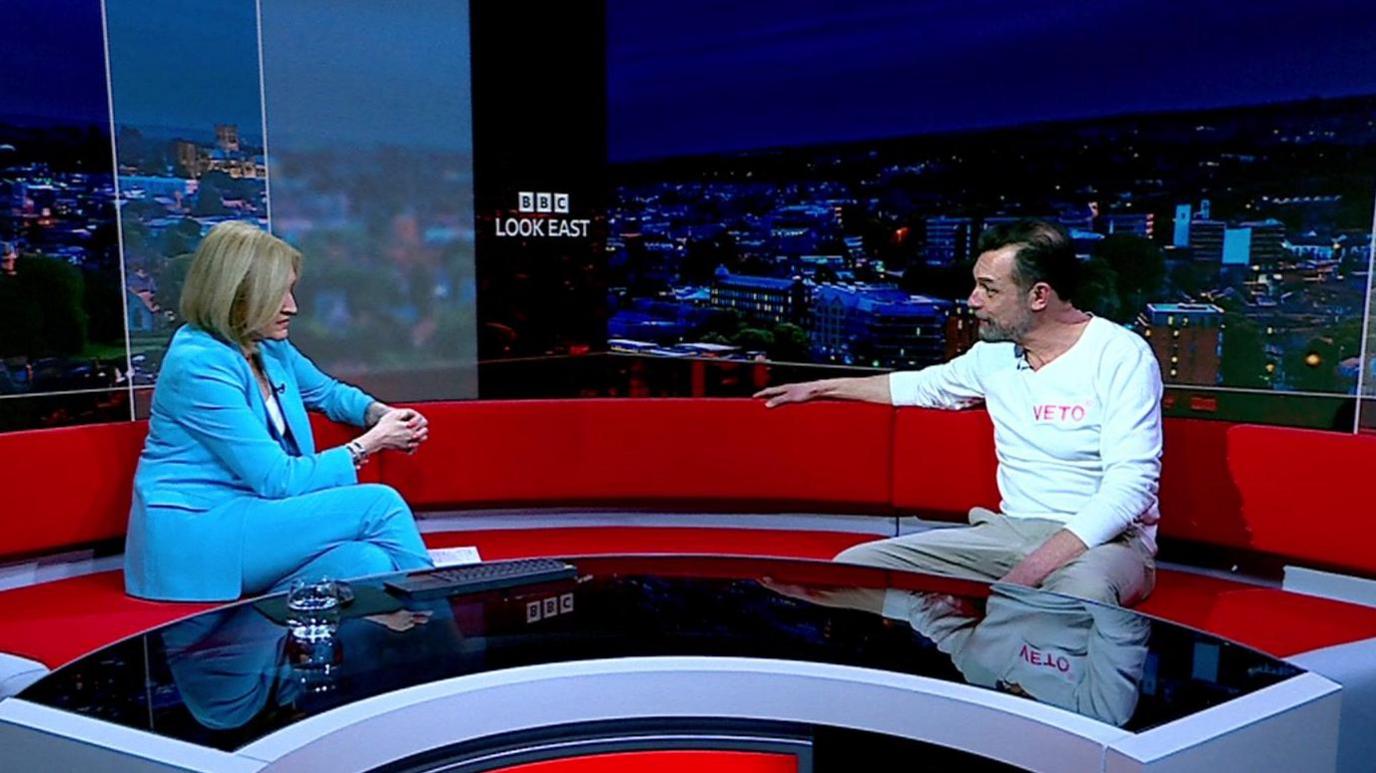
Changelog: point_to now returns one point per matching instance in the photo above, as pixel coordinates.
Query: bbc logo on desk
(552, 606)
(540, 201)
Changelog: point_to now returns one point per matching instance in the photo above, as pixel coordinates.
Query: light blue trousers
(351, 531)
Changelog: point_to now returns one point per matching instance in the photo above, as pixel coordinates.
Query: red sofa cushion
(67, 487)
(944, 463)
(56, 622)
(1269, 619)
(570, 452)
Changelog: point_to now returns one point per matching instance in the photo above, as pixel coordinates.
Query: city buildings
(1187, 339)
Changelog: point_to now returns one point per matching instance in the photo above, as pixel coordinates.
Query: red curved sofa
(1225, 488)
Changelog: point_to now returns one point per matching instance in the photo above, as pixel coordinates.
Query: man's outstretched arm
(953, 384)
(870, 389)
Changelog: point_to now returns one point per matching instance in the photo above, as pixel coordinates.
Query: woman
(231, 498)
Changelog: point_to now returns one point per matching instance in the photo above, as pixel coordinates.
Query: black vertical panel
(539, 118)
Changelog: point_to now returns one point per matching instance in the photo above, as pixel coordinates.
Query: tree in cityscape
(754, 339)
(170, 281)
(1139, 268)
(1313, 367)
(721, 327)
(209, 200)
(791, 344)
(103, 300)
(1244, 362)
(1316, 366)
(1099, 290)
(42, 311)
(179, 238)
(1188, 279)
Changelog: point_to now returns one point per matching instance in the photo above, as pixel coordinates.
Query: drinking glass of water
(313, 609)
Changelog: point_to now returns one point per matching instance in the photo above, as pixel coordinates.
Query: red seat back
(652, 451)
(944, 463)
(66, 487)
(1199, 499)
(1301, 494)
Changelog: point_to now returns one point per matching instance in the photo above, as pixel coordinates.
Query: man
(1075, 402)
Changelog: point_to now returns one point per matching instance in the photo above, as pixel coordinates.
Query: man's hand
(1062, 548)
(401, 620)
(790, 393)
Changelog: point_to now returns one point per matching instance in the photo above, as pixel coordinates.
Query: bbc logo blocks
(532, 201)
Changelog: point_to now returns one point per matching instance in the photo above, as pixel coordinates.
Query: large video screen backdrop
(370, 174)
(807, 181)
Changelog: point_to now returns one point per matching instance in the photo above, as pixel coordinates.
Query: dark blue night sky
(179, 67)
(715, 75)
(185, 66)
(53, 63)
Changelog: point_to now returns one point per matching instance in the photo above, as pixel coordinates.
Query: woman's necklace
(255, 364)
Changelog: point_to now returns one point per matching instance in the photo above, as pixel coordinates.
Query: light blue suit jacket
(212, 451)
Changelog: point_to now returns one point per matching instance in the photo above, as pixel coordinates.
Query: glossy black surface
(228, 677)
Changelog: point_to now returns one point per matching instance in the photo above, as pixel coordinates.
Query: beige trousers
(1121, 572)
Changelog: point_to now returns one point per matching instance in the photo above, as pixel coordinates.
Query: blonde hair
(236, 282)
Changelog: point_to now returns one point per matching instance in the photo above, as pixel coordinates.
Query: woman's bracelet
(359, 454)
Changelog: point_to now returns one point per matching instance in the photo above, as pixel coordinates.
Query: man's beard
(991, 332)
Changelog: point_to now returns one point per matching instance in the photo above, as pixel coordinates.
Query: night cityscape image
(62, 337)
(1226, 220)
(1237, 241)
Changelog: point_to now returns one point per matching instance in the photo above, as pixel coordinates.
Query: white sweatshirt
(1078, 441)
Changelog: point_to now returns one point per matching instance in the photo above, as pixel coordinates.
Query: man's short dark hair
(1045, 254)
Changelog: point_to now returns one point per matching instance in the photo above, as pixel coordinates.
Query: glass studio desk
(823, 661)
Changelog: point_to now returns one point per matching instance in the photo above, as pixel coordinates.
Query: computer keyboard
(471, 578)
